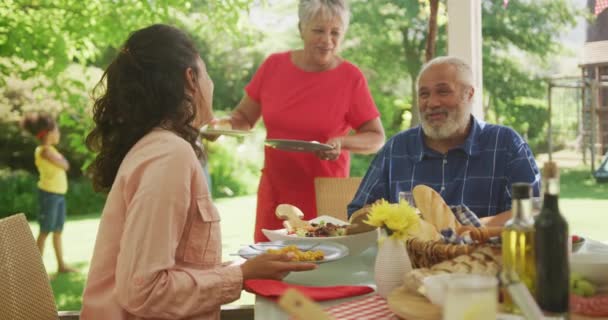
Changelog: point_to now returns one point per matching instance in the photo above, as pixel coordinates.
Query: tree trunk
(415, 114)
(429, 54)
(432, 34)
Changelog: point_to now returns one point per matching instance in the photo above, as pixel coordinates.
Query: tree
(432, 33)
(43, 42)
(55, 33)
(390, 39)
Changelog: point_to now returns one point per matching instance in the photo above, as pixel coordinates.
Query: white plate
(356, 243)
(331, 250)
(226, 132)
(297, 145)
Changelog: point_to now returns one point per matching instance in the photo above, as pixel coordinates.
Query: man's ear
(470, 93)
(300, 28)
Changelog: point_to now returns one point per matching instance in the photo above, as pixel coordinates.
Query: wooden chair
(25, 290)
(334, 194)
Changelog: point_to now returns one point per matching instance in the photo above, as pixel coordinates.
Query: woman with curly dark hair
(158, 248)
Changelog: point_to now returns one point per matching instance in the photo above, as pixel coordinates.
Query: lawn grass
(583, 202)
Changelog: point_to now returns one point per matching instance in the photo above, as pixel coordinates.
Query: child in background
(53, 182)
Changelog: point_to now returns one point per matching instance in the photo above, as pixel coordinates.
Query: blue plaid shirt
(478, 174)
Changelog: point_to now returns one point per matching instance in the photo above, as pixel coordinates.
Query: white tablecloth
(352, 270)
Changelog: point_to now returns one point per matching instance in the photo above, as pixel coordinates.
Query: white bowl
(356, 243)
(593, 266)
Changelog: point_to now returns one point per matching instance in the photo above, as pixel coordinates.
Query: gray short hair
(465, 74)
(310, 9)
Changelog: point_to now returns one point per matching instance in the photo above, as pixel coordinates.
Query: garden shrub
(20, 194)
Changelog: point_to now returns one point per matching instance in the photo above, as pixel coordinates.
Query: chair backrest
(25, 291)
(334, 194)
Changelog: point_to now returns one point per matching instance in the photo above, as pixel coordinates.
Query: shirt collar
(470, 145)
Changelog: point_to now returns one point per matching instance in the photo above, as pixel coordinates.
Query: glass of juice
(471, 297)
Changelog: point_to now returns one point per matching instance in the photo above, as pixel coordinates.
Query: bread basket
(425, 254)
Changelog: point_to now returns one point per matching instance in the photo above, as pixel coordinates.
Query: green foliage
(67, 96)
(234, 165)
(518, 43)
(527, 116)
(38, 73)
(20, 194)
(359, 164)
(54, 33)
(387, 40)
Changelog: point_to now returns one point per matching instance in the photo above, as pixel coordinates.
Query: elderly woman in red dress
(308, 94)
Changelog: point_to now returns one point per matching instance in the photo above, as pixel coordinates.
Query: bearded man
(467, 161)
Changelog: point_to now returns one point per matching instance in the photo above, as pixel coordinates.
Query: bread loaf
(426, 232)
(433, 208)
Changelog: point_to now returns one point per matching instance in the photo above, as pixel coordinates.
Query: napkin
(465, 216)
(273, 289)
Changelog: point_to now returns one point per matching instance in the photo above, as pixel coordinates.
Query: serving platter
(225, 132)
(297, 145)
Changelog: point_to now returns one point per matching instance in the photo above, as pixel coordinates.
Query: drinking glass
(537, 204)
(471, 297)
(407, 196)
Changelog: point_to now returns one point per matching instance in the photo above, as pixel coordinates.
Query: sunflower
(398, 219)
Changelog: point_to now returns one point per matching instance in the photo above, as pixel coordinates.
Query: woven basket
(425, 254)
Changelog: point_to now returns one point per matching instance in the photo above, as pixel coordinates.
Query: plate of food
(297, 145)
(303, 251)
(354, 236)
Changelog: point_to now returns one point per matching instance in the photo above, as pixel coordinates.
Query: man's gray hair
(326, 9)
(465, 74)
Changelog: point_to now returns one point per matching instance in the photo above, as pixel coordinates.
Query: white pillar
(464, 41)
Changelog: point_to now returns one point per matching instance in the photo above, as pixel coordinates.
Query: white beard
(455, 121)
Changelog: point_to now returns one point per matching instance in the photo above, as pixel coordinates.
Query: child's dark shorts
(52, 211)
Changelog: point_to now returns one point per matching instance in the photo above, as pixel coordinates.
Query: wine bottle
(551, 249)
(518, 243)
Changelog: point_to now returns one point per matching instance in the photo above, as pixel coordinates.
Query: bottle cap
(520, 190)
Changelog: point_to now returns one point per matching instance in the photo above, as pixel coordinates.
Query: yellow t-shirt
(52, 178)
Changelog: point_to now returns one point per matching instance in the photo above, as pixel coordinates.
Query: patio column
(464, 41)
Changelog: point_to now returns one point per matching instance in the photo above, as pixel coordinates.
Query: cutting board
(408, 305)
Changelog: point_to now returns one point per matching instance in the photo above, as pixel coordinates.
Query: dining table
(351, 270)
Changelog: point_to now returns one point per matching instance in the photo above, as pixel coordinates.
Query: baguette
(433, 208)
(426, 232)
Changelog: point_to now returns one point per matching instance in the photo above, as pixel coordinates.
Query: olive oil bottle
(552, 250)
(518, 243)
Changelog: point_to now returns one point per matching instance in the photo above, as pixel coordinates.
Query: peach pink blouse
(158, 248)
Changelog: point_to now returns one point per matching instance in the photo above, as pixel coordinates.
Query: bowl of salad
(326, 228)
